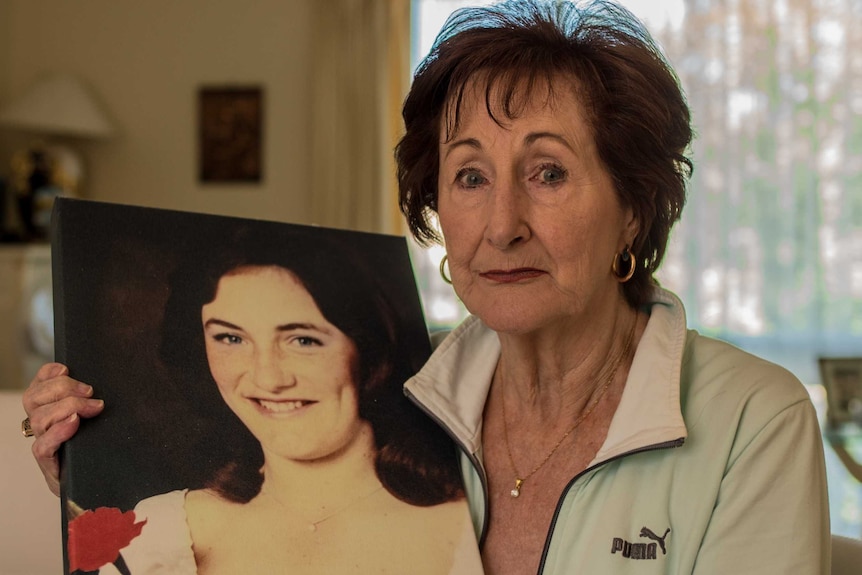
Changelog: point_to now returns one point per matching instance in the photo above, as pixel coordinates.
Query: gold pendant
(517, 490)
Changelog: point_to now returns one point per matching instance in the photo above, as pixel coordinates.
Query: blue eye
(552, 174)
(306, 341)
(469, 178)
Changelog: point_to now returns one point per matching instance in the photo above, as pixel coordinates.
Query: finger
(44, 417)
(51, 370)
(46, 392)
(46, 446)
(46, 373)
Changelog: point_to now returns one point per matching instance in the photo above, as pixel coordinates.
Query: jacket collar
(454, 383)
(649, 412)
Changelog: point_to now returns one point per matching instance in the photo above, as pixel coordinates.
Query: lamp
(55, 105)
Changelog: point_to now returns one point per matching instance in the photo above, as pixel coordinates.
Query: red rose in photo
(96, 537)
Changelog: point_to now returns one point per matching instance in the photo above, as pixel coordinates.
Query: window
(768, 254)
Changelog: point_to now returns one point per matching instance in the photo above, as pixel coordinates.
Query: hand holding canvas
(54, 403)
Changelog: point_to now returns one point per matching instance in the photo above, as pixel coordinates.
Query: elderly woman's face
(283, 369)
(529, 215)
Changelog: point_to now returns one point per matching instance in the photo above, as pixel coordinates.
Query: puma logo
(646, 532)
(631, 550)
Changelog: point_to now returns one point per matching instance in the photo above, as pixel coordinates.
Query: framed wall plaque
(230, 134)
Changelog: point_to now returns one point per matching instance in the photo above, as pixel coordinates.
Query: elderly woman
(598, 434)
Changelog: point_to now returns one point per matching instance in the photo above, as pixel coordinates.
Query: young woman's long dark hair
(415, 460)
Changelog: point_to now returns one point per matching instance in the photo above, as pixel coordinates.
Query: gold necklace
(312, 525)
(519, 480)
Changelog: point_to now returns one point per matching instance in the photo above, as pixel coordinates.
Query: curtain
(769, 251)
(360, 77)
(770, 247)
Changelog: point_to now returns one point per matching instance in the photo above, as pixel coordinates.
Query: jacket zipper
(474, 461)
(480, 471)
(655, 447)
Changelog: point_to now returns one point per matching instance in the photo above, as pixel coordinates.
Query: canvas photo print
(254, 419)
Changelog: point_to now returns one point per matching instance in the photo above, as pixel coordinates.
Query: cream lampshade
(57, 104)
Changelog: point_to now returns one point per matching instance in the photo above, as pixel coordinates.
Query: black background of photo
(111, 264)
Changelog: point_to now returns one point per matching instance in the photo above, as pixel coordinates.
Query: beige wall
(145, 61)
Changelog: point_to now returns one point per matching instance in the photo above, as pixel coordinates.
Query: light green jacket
(713, 463)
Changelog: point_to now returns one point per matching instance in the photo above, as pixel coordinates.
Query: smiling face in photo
(280, 366)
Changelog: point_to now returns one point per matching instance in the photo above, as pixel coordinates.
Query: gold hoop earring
(443, 270)
(624, 265)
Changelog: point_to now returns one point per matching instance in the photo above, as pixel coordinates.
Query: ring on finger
(26, 429)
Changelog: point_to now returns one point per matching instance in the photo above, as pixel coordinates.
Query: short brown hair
(635, 106)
